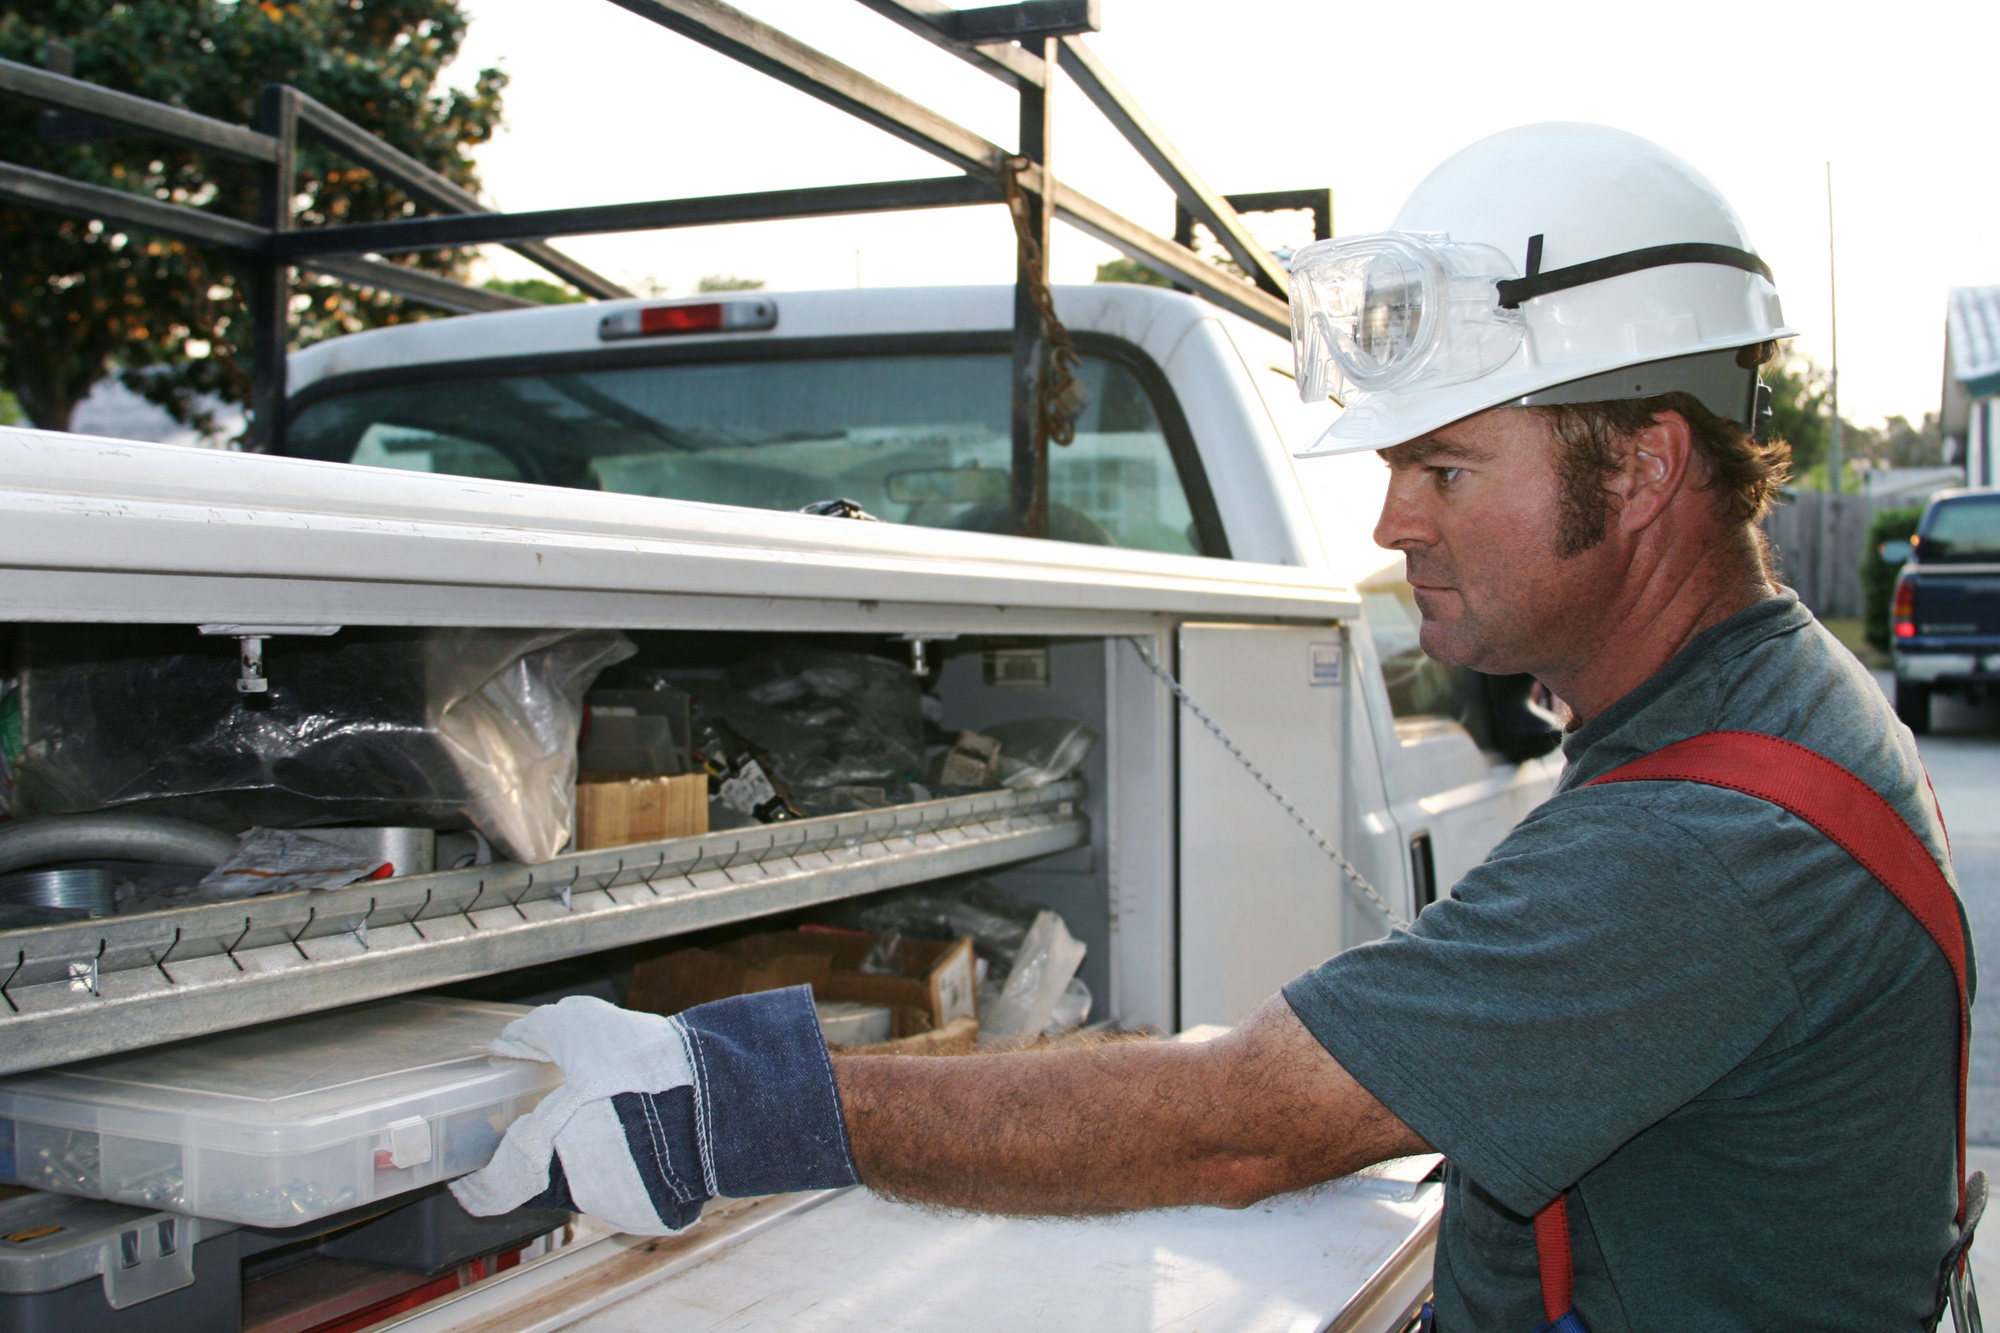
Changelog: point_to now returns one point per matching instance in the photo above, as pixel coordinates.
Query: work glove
(655, 1116)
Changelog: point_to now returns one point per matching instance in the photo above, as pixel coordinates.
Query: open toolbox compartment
(91, 1002)
(79, 989)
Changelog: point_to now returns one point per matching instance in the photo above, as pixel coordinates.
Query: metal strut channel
(41, 189)
(95, 987)
(413, 178)
(730, 32)
(46, 88)
(1018, 67)
(411, 234)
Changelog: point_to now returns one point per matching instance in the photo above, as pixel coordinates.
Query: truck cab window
(919, 439)
(1418, 685)
(383, 445)
(1964, 530)
(1496, 711)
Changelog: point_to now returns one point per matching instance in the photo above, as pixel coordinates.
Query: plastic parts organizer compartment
(280, 1124)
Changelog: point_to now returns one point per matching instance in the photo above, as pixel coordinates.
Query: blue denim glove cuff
(771, 1119)
(762, 1117)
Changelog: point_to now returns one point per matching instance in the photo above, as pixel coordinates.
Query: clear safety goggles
(1408, 309)
(1398, 309)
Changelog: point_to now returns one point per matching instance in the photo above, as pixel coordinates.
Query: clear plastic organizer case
(280, 1124)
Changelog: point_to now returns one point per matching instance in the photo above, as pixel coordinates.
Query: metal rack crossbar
(71, 991)
(1019, 44)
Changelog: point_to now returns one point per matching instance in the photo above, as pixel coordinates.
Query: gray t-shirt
(1730, 1043)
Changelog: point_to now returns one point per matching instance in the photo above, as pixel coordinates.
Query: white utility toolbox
(1194, 893)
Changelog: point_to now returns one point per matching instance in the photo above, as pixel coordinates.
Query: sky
(606, 107)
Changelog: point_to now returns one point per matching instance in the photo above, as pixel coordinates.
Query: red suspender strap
(1857, 820)
(1552, 1255)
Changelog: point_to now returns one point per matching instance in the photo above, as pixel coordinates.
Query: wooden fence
(1818, 541)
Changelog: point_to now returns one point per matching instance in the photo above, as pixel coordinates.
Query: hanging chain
(1319, 839)
(1059, 395)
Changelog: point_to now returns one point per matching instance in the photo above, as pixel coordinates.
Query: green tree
(1899, 444)
(78, 299)
(1130, 270)
(1799, 416)
(1878, 576)
(536, 289)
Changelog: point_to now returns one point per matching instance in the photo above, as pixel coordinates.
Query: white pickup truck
(633, 466)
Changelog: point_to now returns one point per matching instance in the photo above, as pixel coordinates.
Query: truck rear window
(920, 439)
(1967, 529)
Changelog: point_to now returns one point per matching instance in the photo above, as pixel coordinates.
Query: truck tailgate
(1355, 1255)
(1957, 604)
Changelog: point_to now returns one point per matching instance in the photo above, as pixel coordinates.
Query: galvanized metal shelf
(93, 987)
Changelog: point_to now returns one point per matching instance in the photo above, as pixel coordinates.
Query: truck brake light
(662, 321)
(1903, 612)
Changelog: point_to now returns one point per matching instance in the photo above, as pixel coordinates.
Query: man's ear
(1655, 467)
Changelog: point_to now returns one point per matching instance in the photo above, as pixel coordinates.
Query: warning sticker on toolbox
(1323, 664)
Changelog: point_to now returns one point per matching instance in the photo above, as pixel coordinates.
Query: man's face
(1476, 507)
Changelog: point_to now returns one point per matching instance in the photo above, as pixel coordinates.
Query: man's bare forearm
(1116, 1126)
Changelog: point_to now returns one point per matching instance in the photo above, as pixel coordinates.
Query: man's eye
(1447, 475)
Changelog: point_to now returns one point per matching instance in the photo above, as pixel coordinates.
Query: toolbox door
(1260, 902)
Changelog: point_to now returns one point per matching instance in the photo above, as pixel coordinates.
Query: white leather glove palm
(657, 1115)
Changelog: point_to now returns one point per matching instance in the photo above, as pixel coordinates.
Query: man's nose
(1404, 525)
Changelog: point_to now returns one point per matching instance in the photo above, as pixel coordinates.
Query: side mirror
(1896, 552)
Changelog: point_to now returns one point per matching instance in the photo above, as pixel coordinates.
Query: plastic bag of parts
(836, 731)
(970, 762)
(1003, 929)
(742, 787)
(1072, 1009)
(279, 860)
(997, 921)
(439, 728)
(1040, 750)
(1037, 984)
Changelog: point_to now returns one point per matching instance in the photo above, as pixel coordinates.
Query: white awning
(1973, 320)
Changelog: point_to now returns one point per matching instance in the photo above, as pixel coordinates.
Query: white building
(1972, 382)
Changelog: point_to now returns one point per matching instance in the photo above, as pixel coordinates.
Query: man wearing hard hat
(1692, 1037)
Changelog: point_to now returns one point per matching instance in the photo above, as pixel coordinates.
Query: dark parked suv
(1944, 625)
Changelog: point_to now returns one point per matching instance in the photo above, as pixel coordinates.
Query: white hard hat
(1551, 263)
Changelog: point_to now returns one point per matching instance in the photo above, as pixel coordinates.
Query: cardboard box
(613, 809)
(958, 1037)
(938, 982)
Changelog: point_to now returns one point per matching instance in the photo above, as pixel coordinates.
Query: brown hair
(1743, 472)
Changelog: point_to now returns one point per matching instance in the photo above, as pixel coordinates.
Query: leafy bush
(1130, 270)
(1878, 576)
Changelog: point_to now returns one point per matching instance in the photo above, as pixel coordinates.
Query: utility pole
(1834, 464)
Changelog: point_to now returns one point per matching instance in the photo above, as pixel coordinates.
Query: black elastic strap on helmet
(1513, 291)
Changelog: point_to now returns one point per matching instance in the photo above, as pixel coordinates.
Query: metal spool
(92, 891)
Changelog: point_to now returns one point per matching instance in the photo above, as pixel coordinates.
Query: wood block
(614, 809)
